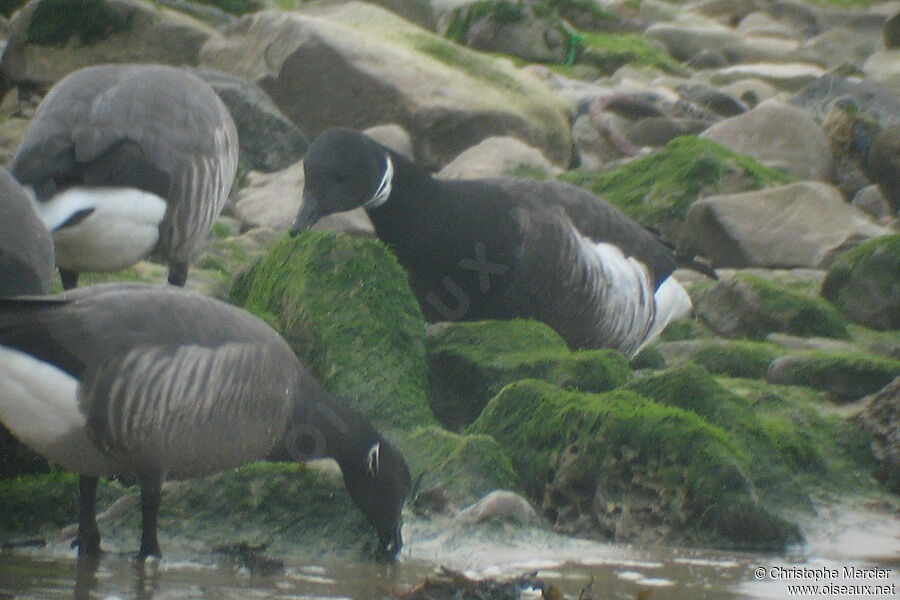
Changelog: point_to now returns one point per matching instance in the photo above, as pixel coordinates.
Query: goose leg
(151, 496)
(178, 272)
(88, 533)
(69, 279)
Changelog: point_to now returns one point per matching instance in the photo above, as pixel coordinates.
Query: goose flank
(153, 383)
(127, 161)
(502, 248)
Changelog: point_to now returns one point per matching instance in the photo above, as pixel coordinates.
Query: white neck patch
(384, 188)
(373, 458)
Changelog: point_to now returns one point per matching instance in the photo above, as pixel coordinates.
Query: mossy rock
(738, 358)
(464, 467)
(865, 283)
(749, 306)
(630, 465)
(795, 445)
(610, 51)
(344, 306)
(659, 188)
(471, 362)
(845, 376)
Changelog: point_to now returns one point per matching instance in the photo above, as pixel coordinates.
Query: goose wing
(168, 380)
(26, 249)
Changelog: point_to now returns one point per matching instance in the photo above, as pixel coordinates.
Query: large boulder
(269, 141)
(747, 306)
(779, 135)
(48, 39)
(805, 224)
(844, 376)
(497, 157)
(865, 283)
(684, 41)
(881, 419)
(357, 65)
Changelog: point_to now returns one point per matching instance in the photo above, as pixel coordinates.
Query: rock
(685, 41)
(499, 157)
(381, 69)
(881, 420)
(469, 362)
(884, 68)
(658, 189)
(269, 199)
(864, 283)
(621, 466)
(464, 467)
(883, 165)
(759, 24)
(345, 307)
(394, 137)
(750, 91)
(843, 376)
(803, 225)
(45, 43)
(713, 99)
(892, 33)
(838, 47)
(784, 76)
(871, 201)
(777, 134)
(499, 505)
(746, 306)
(819, 97)
(269, 141)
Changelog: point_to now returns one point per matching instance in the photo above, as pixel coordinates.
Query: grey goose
(26, 250)
(125, 161)
(151, 383)
(502, 248)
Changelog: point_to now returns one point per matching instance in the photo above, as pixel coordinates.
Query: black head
(377, 479)
(344, 170)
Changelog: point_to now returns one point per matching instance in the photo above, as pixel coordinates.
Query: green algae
(471, 362)
(863, 282)
(661, 186)
(844, 375)
(344, 306)
(740, 358)
(465, 467)
(609, 51)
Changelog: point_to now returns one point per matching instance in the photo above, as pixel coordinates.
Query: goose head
(343, 170)
(377, 478)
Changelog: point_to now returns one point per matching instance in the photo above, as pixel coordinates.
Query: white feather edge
(39, 405)
(628, 281)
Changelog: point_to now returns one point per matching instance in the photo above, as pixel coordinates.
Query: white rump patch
(39, 405)
(121, 229)
(373, 459)
(384, 187)
(631, 313)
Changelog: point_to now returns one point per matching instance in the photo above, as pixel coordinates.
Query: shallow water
(840, 540)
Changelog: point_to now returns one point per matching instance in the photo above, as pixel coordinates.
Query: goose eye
(372, 459)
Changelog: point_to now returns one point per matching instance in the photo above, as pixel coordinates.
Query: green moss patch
(750, 306)
(660, 187)
(796, 445)
(624, 459)
(464, 467)
(234, 7)
(471, 362)
(864, 283)
(54, 22)
(344, 306)
(737, 358)
(609, 51)
(843, 375)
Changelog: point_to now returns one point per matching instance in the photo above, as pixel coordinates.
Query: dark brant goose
(125, 161)
(152, 383)
(26, 250)
(502, 248)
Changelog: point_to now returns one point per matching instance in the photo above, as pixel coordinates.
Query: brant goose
(26, 250)
(502, 248)
(152, 383)
(125, 161)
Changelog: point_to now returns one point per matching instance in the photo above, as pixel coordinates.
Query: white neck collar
(384, 188)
